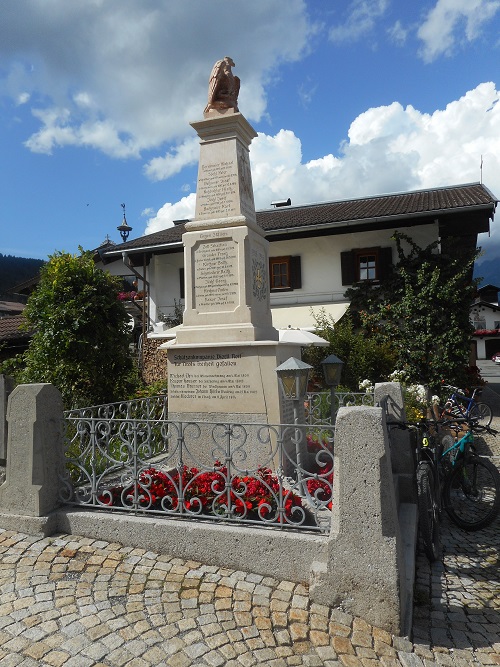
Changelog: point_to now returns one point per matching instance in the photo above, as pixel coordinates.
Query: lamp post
(293, 376)
(332, 370)
(124, 228)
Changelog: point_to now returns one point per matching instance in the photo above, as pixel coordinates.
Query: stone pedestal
(229, 383)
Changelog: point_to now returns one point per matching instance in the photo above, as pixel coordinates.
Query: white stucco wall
(484, 316)
(320, 268)
(165, 283)
(320, 261)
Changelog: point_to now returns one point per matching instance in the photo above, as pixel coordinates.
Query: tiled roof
(11, 307)
(10, 328)
(423, 203)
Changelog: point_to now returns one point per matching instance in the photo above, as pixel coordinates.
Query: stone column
(403, 463)
(364, 572)
(6, 387)
(35, 454)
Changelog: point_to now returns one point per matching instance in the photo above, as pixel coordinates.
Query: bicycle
(462, 406)
(450, 475)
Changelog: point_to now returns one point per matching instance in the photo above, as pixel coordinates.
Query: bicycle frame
(462, 446)
(459, 400)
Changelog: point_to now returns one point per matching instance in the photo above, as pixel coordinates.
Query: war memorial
(222, 373)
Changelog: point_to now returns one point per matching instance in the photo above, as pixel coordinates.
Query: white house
(316, 251)
(485, 316)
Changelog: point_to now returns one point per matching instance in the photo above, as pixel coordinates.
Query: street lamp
(332, 370)
(124, 228)
(293, 376)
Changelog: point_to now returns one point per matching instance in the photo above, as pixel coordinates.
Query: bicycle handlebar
(452, 423)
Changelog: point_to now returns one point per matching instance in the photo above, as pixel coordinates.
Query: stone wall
(154, 360)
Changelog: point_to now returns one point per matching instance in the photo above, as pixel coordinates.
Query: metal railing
(318, 405)
(149, 407)
(280, 476)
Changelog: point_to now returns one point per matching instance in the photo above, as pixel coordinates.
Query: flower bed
(212, 493)
(208, 492)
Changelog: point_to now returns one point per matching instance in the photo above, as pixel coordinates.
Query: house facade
(485, 317)
(316, 251)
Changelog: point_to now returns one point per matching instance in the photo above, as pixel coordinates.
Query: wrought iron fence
(318, 405)
(149, 407)
(280, 476)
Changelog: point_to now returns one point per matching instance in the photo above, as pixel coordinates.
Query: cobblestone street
(78, 602)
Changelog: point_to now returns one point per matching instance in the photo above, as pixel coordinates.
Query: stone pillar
(6, 387)
(35, 454)
(403, 463)
(364, 572)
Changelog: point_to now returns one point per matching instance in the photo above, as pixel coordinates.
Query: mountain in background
(488, 271)
(16, 270)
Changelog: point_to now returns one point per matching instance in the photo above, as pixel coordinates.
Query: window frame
(366, 252)
(280, 260)
(294, 272)
(350, 264)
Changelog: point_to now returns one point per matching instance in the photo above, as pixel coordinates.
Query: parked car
(496, 358)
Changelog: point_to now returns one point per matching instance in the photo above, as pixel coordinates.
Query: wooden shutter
(347, 267)
(385, 263)
(296, 273)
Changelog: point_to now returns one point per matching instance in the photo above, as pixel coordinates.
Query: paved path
(78, 602)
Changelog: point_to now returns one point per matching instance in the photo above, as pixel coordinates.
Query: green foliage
(422, 311)
(82, 334)
(363, 357)
(154, 389)
(13, 366)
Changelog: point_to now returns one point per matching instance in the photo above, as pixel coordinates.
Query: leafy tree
(364, 358)
(81, 332)
(422, 310)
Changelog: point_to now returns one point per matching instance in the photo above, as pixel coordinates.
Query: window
(365, 265)
(284, 273)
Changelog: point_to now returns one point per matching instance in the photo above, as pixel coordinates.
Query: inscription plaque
(217, 190)
(215, 274)
(214, 380)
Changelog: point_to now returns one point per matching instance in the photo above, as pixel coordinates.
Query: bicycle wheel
(471, 493)
(428, 511)
(481, 413)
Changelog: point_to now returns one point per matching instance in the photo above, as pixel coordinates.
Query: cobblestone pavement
(78, 602)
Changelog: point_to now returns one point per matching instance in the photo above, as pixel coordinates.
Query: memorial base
(228, 383)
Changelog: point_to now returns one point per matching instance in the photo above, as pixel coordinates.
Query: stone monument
(221, 366)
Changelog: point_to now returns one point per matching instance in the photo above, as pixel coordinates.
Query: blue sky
(349, 98)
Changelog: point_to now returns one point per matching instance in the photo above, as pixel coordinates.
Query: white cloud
(361, 19)
(22, 98)
(131, 75)
(389, 149)
(181, 210)
(450, 21)
(397, 33)
(57, 131)
(187, 153)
